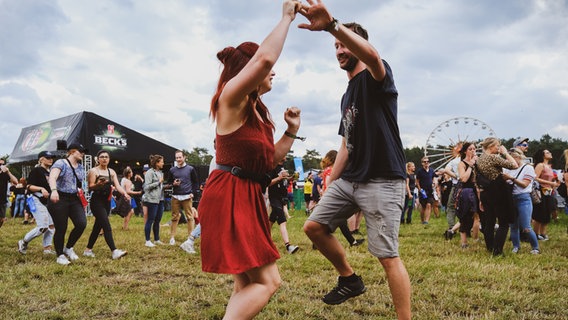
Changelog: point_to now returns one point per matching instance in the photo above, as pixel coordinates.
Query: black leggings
(100, 206)
(68, 207)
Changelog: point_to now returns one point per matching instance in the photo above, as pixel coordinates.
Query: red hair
(234, 60)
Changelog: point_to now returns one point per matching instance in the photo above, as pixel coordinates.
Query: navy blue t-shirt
(369, 125)
(426, 179)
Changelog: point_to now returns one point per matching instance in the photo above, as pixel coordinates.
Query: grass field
(166, 283)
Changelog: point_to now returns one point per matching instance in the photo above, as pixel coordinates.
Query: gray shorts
(381, 201)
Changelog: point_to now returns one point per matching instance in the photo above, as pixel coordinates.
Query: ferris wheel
(442, 140)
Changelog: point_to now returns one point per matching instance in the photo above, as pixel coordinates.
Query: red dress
(235, 228)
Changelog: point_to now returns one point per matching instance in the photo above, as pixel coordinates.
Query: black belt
(262, 178)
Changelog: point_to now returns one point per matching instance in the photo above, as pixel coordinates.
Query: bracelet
(333, 25)
(293, 136)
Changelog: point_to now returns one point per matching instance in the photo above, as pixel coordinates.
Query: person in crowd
(128, 186)
(451, 170)
(522, 179)
(138, 189)
(327, 166)
(232, 206)
(20, 201)
(370, 162)
(409, 197)
(101, 180)
(188, 245)
(437, 193)
(66, 180)
(467, 198)
(290, 189)
(38, 188)
(316, 190)
(308, 190)
(565, 179)
(154, 199)
(6, 178)
(543, 211)
(425, 183)
(183, 178)
(495, 194)
(521, 145)
(276, 193)
(145, 169)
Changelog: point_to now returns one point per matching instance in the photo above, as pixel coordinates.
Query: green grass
(166, 283)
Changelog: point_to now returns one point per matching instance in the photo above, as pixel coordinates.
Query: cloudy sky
(151, 66)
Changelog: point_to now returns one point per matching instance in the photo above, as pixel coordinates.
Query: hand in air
(290, 8)
(292, 118)
(317, 15)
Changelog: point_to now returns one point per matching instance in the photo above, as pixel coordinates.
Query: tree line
(312, 158)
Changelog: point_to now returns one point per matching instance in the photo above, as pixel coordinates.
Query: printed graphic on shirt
(349, 125)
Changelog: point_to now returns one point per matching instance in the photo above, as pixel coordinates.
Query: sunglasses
(425, 161)
(524, 144)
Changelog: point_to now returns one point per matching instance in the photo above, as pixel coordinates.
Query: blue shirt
(66, 182)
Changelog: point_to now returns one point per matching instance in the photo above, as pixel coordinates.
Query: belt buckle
(236, 171)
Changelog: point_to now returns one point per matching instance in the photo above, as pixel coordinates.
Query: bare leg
(399, 285)
(284, 232)
(476, 225)
(329, 246)
(286, 213)
(127, 219)
(252, 291)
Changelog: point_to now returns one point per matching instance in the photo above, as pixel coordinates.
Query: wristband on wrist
(293, 136)
(333, 25)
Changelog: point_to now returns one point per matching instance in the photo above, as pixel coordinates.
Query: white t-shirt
(453, 166)
(526, 173)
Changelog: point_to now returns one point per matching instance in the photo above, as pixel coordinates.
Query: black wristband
(293, 136)
(333, 25)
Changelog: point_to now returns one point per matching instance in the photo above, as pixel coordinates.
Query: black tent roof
(92, 131)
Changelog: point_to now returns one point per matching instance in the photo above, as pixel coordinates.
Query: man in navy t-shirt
(369, 173)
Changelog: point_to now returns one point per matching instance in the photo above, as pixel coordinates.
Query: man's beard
(351, 63)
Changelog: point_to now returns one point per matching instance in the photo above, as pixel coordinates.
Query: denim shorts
(381, 201)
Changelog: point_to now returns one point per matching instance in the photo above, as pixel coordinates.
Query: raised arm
(321, 20)
(260, 65)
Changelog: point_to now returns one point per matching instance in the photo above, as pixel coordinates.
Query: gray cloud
(151, 65)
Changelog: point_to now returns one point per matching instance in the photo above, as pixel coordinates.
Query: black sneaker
(344, 291)
(357, 242)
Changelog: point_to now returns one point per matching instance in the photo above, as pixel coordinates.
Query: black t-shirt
(38, 177)
(279, 190)
(369, 125)
(4, 179)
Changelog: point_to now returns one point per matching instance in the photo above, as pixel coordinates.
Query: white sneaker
(89, 253)
(187, 246)
(62, 260)
(149, 244)
(158, 242)
(22, 247)
(117, 254)
(48, 252)
(172, 242)
(71, 254)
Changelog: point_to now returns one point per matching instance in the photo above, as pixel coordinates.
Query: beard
(350, 64)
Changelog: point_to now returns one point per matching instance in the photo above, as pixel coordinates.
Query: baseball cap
(519, 141)
(146, 167)
(46, 154)
(77, 146)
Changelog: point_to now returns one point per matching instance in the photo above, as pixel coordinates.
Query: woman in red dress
(236, 235)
